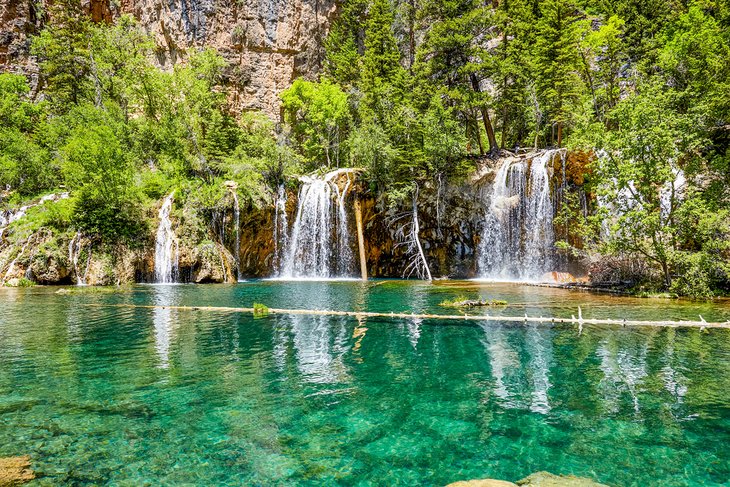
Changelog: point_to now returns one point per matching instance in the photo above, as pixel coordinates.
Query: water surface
(129, 396)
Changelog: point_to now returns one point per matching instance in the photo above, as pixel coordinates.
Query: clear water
(134, 396)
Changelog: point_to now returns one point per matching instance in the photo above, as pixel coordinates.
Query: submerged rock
(15, 470)
(482, 483)
(547, 479)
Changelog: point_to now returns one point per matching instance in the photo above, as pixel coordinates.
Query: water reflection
(319, 342)
(624, 368)
(540, 349)
(503, 360)
(164, 321)
(329, 400)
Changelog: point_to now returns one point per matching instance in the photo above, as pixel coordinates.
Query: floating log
(411, 316)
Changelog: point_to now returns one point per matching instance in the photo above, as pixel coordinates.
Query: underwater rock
(482, 483)
(15, 470)
(547, 479)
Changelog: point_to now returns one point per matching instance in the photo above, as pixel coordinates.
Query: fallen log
(702, 324)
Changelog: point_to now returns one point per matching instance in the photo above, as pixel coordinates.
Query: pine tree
(63, 51)
(381, 61)
(557, 63)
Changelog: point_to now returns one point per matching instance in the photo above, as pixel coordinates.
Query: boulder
(49, 269)
(547, 479)
(482, 483)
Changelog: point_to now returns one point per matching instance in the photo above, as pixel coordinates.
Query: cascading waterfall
(237, 223)
(165, 245)
(518, 238)
(281, 228)
(320, 243)
(345, 261)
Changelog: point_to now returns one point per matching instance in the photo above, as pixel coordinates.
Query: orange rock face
(267, 44)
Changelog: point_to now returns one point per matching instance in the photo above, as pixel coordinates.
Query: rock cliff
(267, 43)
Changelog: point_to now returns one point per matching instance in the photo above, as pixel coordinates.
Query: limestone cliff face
(267, 43)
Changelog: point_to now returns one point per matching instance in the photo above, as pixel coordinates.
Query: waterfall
(165, 255)
(237, 223)
(74, 251)
(518, 237)
(320, 242)
(281, 228)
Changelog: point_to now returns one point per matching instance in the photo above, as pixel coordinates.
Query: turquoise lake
(150, 396)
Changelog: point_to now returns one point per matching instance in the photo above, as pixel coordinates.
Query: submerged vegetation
(416, 93)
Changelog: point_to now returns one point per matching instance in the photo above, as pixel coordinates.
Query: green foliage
(319, 116)
(464, 302)
(260, 310)
(415, 92)
(22, 282)
(557, 64)
(24, 163)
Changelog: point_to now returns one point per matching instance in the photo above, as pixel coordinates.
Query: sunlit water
(131, 396)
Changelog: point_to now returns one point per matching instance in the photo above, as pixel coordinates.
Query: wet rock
(48, 269)
(547, 479)
(101, 270)
(482, 483)
(212, 264)
(15, 471)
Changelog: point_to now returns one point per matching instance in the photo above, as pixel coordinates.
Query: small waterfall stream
(518, 238)
(165, 245)
(74, 252)
(320, 242)
(281, 229)
(237, 223)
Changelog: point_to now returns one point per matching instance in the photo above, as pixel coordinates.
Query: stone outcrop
(267, 43)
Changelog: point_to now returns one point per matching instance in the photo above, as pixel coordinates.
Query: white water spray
(281, 229)
(165, 245)
(74, 251)
(237, 223)
(518, 238)
(320, 243)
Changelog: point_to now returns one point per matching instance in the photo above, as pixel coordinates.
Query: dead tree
(406, 234)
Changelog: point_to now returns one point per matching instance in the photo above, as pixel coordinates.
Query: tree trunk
(560, 134)
(361, 240)
(490, 130)
(485, 117)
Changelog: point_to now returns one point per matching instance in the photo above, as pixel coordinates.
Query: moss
(464, 302)
(260, 310)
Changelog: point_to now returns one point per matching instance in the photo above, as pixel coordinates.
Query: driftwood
(702, 324)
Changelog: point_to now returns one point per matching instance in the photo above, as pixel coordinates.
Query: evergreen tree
(63, 53)
(557, 64)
